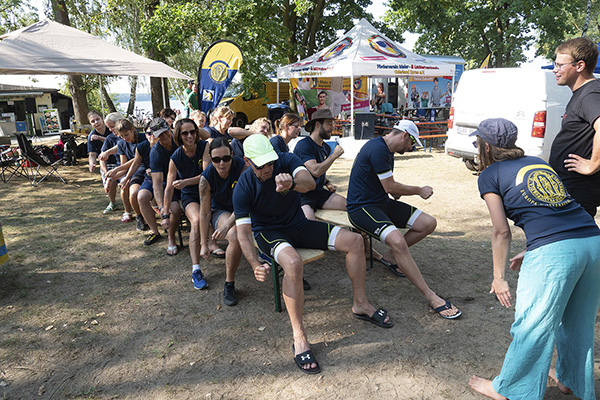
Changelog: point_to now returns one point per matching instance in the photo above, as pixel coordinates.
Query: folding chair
(34, 161)
(11, 164)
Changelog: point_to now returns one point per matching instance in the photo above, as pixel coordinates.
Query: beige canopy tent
(48, 47)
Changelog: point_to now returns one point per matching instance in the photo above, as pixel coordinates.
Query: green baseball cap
(259, 150)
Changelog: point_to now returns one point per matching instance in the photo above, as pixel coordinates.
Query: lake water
(146, 106)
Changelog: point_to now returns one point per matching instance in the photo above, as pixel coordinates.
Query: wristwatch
(293, 184)
(164, 216)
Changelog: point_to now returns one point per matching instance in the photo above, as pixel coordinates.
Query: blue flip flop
(392, 267)
(445, 307)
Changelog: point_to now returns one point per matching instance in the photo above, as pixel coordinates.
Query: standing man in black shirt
(575, 153)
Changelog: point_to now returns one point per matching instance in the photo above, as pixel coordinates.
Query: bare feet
(561, 387)
(484, 386)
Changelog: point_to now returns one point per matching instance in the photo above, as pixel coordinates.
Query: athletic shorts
(189, 198)
(137, 179)
(312, 235)
(315, 198)
(216, 214)
(147, 185)
(379, 221)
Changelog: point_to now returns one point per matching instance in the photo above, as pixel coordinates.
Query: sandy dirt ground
(87, 311)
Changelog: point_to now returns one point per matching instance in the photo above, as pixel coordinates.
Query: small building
(21, 107)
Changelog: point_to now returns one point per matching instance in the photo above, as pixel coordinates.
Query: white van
(530, 98)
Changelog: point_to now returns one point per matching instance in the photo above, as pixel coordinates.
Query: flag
(485, 62)
(219, 65)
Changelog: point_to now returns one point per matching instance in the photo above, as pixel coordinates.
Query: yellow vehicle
(249, 107)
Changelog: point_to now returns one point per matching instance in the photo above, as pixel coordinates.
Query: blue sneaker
(198, 279)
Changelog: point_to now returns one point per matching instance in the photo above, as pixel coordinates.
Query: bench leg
(276, 286)
(371, 250)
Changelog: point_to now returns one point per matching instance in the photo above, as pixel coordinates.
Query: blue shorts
(216, 214)
(188, 198)
(379, 221)
(147, 185)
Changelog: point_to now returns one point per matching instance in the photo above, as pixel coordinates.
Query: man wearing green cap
(266, 203)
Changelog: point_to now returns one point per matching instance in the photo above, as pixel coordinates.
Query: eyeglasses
(217, 160)
(560, 66)
(412, 139)
(262, 166)
(185, 133)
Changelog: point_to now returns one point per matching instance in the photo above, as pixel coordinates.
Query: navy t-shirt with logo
(221, 190)
(160, 158)
(279, 144)
(189, 167)
(111, 141)
(373, 163)
(536, 200)
(258, 203)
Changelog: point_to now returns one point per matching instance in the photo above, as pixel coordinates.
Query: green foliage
(473, 29)
(16, 14)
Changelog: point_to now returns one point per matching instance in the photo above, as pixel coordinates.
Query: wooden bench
(340, 218)
(307, 255)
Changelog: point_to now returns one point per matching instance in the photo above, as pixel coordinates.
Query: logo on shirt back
(543, 186)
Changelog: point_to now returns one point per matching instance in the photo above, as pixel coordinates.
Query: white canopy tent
(364, 51)
(48, 47)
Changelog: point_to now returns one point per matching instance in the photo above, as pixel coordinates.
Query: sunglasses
(217, 160)
(413, 140)
(262, 166)
(185, 133)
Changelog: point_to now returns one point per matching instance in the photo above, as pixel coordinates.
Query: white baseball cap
(406, 125)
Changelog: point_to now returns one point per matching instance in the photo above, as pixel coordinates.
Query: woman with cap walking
(559, 273)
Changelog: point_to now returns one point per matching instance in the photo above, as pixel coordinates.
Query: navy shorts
(188, 198)
(312, 235)
(137, 179)
(215, 215)
(315, 198)
(147, 185)
(379, 221)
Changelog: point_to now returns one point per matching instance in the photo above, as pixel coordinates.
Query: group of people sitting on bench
(240, 186)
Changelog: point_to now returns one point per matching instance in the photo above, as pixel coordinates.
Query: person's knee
(350, 242)
(232, 237)
(397, 242)
(144, 196)
(294, 269)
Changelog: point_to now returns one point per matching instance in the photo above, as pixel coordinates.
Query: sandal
(306, 358)
(172, 250)
(391, 267)
(447, 306)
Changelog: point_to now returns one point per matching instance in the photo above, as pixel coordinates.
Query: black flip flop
(445, 307)
(391, 267)
(377, 318)
(306, 358)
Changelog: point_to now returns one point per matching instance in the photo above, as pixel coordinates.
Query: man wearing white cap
(266, 202)
(371, 209)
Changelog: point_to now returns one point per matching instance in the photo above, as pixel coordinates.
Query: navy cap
(498, 132)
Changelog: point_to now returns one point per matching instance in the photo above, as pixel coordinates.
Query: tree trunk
(78, 93)
(109, 103)
(156, 90)
(132, 95)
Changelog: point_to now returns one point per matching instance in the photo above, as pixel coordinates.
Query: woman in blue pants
(558, 289)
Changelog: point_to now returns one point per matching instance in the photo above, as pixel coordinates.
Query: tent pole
(277, 90)
(162, 85)
(101, 98)
(351, 104)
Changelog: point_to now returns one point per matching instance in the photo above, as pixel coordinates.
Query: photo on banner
(314, 94)
(424, 92)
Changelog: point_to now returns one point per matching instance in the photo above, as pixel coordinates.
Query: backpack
(45, 152)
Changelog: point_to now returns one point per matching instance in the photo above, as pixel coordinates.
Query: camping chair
(11, 164)
(34, 161)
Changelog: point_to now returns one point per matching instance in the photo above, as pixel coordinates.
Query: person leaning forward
(266, 203)
(371, 210)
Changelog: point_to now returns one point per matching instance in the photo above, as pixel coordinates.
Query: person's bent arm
(317, 169)
(239, 133)
(169, 193)
(158, 190)
(107, 153)
(501, 239)
(246, 240)
(203, 133)
(301, 182)
(583, 165)
(398, 189)
(205, 200)
(133, 167)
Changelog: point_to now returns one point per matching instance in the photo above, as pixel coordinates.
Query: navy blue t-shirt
(258, 203)
(214, 133)
(128, 150)
(160, 158)
(111, 141)
(536, 200)
(373, 163)
(221, 190)
(143, 149)
(306, 150)
(279, 144)
(95, 146)
(189, 167)
(238, 148)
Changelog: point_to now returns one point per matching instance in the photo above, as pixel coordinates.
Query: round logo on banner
(218, 71)
(357, 84)
(385, 47)
(336, 50)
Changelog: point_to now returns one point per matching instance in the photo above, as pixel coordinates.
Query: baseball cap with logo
(406, 125)
(158, 126)
(259, 150)
(498, 132)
